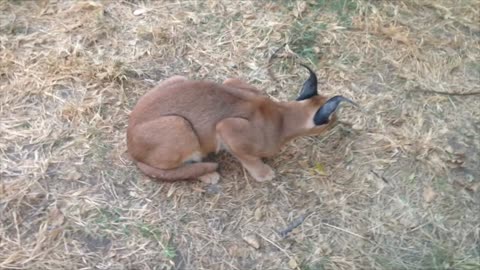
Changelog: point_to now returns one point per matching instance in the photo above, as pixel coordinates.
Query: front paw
(264, 175)
(210, 178)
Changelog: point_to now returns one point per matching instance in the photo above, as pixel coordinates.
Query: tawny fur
(180, 121)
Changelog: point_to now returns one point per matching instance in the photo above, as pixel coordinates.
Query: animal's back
(203, 104)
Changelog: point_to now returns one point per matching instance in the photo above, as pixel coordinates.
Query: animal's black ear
(322, 116)
(309, 88)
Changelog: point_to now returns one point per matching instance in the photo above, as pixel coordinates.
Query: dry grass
(398, 188)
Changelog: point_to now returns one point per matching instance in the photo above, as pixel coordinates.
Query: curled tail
(187, 171)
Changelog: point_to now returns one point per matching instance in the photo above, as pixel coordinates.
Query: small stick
(380, 176)
(294, 224)
(281, 249)
(448, 93)
(276, 245)
(346, 231)
(269, 66)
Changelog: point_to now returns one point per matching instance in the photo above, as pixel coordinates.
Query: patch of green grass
(473, 68)
(349, 60)
(319, 263)
(343, 9)
(110, 220)
(468, 265)
(148, 231)
(441, 184)
(337, 6)
(26, 125)
(107, 219)
(309, 53)
(412, 179)
(322, 26)
(154, 233)
(184, 219)
(304, 38)
(16, 2)
(100, 148)
(384, 262)
(316, 266)
(438, 259)
(169, 252)
(304, 32)
(107, 216)
(106, 222)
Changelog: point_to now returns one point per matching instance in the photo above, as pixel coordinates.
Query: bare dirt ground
(394, 187)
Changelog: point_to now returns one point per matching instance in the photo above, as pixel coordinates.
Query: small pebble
(212, 189)
(292, 263)
(357, 127)
(258, 214)
(139, 11)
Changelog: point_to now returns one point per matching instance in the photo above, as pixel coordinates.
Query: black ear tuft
(322, 116)
(309, 88)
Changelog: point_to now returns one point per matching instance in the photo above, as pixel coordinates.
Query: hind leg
(170, 145)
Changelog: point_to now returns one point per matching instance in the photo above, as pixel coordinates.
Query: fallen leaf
(56, 217)
(252, 65)
(237, 251)
(54, 233)
(171, 191)
(395, 33)
(401, 37)
(304, 164)
(292, 263)
(249, 16)
(320, 169)
(476, 187)
(429, 194)
(252, 240)
(73, 175)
